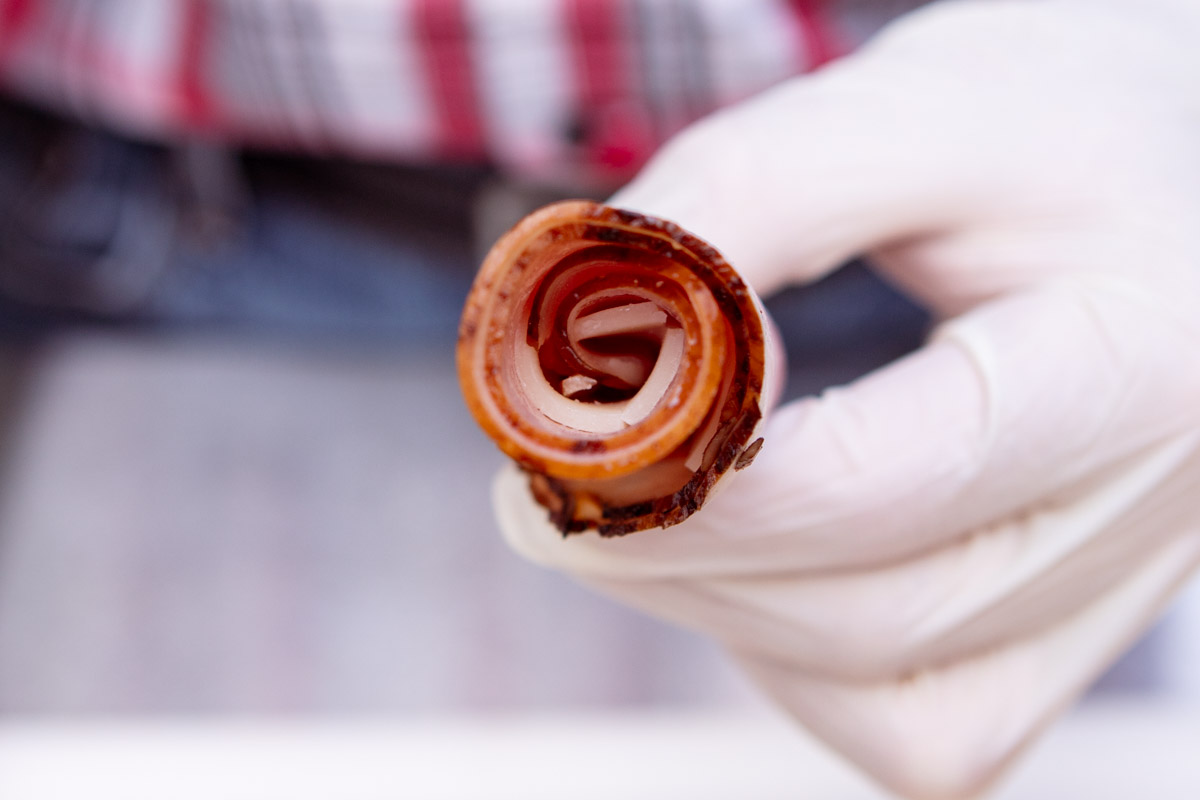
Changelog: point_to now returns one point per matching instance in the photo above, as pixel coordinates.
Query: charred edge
(606, 234)
(746, 458)
(589, 446)
(628, 217)
(554, 497)
(664, 511)
(661, 513)
(732, 448)
(641, 221)
(635, 240)
(689, 499)
(564, 520)
(467, 330)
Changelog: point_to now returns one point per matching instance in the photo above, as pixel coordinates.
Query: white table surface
(1111, 750)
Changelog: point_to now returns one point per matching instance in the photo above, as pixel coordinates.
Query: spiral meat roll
(619, 361)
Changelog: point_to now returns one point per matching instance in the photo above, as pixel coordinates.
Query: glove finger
(790, 184)
(913, 135)
(1015, 401)
(948, 733)
(1000, 584)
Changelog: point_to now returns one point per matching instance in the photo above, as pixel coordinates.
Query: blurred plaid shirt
(536, 87)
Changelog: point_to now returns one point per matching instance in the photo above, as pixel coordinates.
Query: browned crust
(504, 290)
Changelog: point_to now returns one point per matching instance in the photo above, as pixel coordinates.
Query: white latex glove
(926, 566)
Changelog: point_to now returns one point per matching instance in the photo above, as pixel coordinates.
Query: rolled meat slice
(619, 361)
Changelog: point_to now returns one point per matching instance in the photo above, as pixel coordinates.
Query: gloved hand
(926, 566)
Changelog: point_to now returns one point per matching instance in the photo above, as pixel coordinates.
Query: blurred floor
(201, 525)
(1105, 751)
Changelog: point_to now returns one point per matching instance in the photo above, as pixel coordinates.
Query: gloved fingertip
(522, 522)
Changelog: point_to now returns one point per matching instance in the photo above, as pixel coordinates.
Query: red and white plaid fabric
(535, 86)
